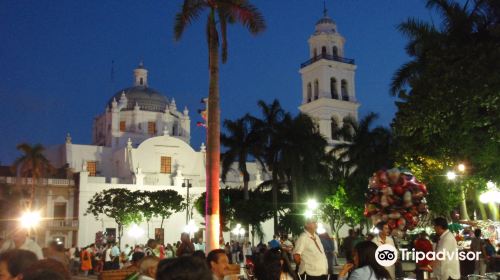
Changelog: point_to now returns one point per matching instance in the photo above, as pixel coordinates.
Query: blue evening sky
(55, 60)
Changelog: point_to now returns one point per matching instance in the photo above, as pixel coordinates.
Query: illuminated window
(122, 126)
(152, 128)
(166, 165)
(92, 167)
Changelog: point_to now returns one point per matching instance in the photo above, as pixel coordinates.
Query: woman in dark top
(364, 264)
(186, 248)
(275, 266)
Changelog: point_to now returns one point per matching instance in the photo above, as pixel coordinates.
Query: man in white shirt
(448, 268)
(19, 240)
(309, 254)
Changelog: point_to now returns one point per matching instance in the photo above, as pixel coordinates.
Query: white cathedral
(142, 141)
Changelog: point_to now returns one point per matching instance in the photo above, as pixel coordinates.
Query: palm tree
(32, 163)
(302, 154)
(220, 14)
(366, 151)
(241, 142)
(268, 128)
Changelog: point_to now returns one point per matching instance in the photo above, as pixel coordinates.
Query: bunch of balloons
(395, 196)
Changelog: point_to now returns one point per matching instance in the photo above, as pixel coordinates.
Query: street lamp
(238, 231)
(30, 219)
(190, 228)
(461, 167)
(312, 204)
(451, 175)
(135, 232)
(187, 185)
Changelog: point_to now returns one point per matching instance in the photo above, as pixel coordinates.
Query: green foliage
(338, 210)
(449, 101)
(164, 203)
(127, 207)
(444, 196)
(119, 204)
(235, 209)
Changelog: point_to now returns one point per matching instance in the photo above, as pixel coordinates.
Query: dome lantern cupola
(141, 75)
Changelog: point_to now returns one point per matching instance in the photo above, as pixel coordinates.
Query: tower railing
(327, 57)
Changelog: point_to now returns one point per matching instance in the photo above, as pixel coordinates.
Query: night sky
(56, 60)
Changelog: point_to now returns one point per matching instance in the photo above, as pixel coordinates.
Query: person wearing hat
(309, 253)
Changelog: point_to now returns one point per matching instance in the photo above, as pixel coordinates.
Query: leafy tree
(241, 142)
(448, 93)
(337, 210)
(220, 14)
(119, 204)
(235, 208)
(164, 203)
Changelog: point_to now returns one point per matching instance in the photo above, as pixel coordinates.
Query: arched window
(335, 51)
(323, 51)
(347, 128)
(343, 90)
(141, 81)
(309, 93)
(316, 89)
(333, 88)
(174, 129)
(334, 124)
(315, 52)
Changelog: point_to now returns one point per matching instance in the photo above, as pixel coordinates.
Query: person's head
(47, 269)
(152, 243)
(14, 262)
(19, 235)
(136, 257)
(311, 225)
(148, 266)
(364, 255)
(383, 228)
(185, 237)
(422, 235)
(54, 246)
(370, 236)
(218, 262)
(183, 268)
(351, 232)
(199, 254)
(477, 233)
(440, 225)
(274, 262)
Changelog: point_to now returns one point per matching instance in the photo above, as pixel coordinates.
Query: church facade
(141, 141)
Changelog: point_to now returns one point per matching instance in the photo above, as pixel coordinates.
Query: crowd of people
(310, 256)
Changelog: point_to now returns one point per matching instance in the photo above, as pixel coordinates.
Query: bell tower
(328, 90)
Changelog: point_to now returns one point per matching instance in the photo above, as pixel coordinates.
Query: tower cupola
(141, 75)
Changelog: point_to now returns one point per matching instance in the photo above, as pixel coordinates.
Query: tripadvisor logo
(387, 255)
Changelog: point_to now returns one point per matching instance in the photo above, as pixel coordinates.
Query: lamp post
(187, 185)
(452, 176)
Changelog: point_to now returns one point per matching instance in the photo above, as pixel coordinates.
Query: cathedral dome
(147, 98)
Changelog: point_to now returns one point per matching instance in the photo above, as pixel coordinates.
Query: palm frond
(191, 10)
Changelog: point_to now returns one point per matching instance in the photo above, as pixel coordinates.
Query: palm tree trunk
(275, 201)
(212, 218)
(245, 188)
(463, 205)
(32, 194)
